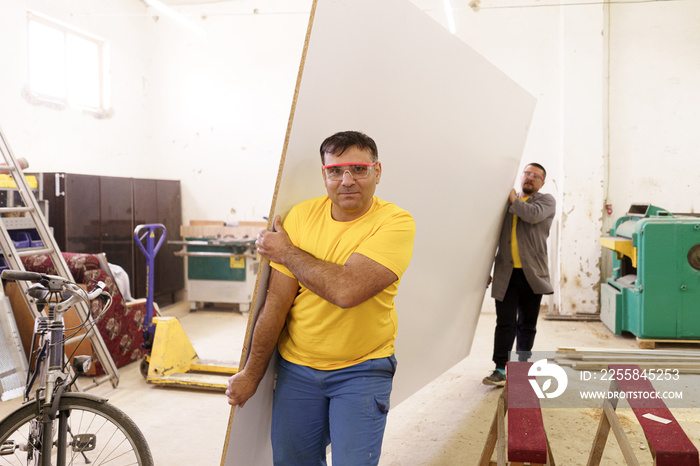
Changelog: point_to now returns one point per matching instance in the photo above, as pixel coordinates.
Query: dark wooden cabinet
(159, 201)
(92, 214)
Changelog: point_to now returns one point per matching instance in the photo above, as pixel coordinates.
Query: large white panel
(450, 129)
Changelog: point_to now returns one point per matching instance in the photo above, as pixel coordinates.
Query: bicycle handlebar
(55, 283)
(97, 291)
(21, 275)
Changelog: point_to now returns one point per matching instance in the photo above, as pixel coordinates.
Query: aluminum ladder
(33, 217)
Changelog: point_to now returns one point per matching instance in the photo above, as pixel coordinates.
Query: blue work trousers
(346, 408)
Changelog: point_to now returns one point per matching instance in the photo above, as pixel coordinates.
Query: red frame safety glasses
(533, 175)
(358, 171)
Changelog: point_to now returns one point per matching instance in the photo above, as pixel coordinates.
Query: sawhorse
(527, 440)
(669, 445)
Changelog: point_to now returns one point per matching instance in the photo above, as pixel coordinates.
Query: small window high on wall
(66, 66)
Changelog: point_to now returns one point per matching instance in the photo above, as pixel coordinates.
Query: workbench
(222, 264)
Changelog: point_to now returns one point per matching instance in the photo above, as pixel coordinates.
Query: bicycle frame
(49, 361)
(49, 364)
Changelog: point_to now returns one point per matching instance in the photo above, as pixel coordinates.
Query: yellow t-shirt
(319, 334)
(514, 241)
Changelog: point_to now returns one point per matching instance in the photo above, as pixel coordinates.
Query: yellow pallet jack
(172, 360)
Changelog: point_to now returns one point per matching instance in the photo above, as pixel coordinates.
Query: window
(66, 67)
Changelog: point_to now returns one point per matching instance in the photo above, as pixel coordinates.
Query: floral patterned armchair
(121, 326)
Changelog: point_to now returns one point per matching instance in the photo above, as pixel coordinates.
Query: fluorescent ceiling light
(450, 16)
(175, 16)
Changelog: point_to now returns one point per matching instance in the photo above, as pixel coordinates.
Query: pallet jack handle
(150, 250)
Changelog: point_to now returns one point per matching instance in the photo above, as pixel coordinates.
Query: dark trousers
(516, 316)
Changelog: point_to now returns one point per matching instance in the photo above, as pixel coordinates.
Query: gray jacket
(534, 220)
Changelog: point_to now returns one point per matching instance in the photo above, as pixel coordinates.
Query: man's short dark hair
(342, 141)
(540, 167)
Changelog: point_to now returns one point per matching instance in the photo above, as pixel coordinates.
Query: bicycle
(82, 428)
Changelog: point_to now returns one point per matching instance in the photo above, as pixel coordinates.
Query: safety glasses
(359, 171)
(533, 175)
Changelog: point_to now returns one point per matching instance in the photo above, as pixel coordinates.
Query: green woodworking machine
(654, 290)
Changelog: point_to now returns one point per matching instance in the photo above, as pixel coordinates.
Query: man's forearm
(534, 212)
(345, 285)
(270, 323)
(280, 297)
(265, 336)
(323, 278)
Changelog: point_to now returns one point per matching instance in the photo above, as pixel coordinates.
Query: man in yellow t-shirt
(336, 266)
(521, 270)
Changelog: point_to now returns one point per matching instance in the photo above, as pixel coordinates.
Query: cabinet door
(117, 228)
(78, 203)
(82, 193)
(159, 201)
(171, 269)
(145, 212)
(74, 211)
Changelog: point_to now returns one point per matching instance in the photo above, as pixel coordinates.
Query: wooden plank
(526, 434)
(647, 343)
(501, 413)
(599, 441)
(633, 358)
(620, 351)
(200, 223)
(599, 366)
(249, 230)
(648, 363)
(622, 441)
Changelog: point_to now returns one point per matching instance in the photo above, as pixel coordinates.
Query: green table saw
(220, 270)
(654, 290)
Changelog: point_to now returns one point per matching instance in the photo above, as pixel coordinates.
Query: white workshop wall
(655, 106)
(223, 102)
(68, 140)
(212, 113)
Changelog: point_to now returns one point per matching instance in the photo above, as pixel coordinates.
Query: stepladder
(26, 215)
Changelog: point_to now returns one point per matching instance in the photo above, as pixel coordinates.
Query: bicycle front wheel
(95, 433)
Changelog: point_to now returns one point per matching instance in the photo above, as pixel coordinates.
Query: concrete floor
(445, 423)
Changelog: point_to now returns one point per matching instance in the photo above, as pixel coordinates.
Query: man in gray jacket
(521, 272)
